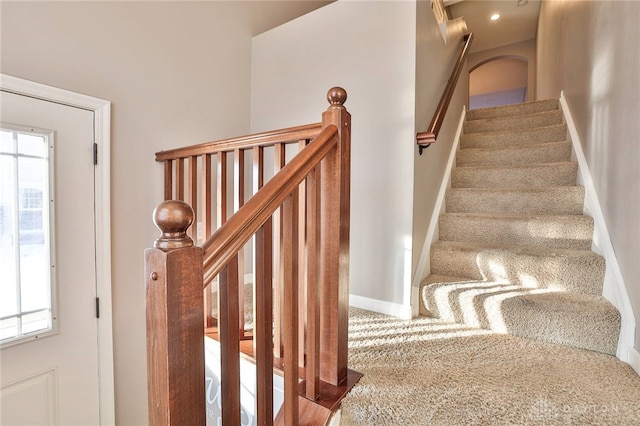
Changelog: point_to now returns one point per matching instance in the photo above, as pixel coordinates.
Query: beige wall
(498, 75)
(176, 73)
(369, 49)
(524, 49)
(434, 63)
(589, 49)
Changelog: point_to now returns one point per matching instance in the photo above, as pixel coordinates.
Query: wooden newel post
(175, 335)
(334, 240)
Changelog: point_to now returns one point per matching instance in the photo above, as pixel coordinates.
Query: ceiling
(268, 14)
(517, 23)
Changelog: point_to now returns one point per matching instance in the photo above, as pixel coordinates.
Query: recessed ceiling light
(495, 17)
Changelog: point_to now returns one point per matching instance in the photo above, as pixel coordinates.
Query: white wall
(177, 73)
(589, 50)
(369, 49)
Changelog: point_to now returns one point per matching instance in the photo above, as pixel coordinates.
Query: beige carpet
(427, 371)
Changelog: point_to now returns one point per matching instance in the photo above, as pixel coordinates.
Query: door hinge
(95, 154)
(97, 307)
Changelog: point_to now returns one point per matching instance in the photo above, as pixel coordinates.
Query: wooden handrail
(426, 138)
(289, 134)
(236, 232)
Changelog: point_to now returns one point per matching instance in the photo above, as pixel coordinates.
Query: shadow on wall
(500, 80)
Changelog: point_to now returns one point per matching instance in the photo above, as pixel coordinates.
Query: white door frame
(102, 135)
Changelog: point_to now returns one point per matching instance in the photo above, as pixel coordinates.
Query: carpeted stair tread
(555, 133)
(528, 121)
(533, 175)
(583, 321)
(513, 109)
(578, 320)
(551, 152)
(455, 301)
(559, 269)
(553, 231)
(434, 278)
(538, 200)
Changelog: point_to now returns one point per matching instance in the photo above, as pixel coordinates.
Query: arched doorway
(500, 80)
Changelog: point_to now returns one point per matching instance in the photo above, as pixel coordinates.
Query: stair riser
(583, 274)
(561, 232)
(515, 109)
(516, 311)
(512, 123)
(556, 133)
(552, 174)
(560, 200)
(547, 153)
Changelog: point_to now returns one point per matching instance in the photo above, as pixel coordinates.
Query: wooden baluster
(207, 229)
(263, 324)
(222, 189)
(180, 179)
(207, 190)
(301, 218)
(279, 161)
(192, 189)
(221, 205)
(175, 342)
(263, 305)
(238, 201)
(312, 371)
(290, 308)
(334, 257)
(229, 344)
(257, 182)
(168, 179)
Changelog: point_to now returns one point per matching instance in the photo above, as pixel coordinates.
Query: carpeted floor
(427, 371)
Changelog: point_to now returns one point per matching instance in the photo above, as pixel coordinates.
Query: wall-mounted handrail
(426, 138)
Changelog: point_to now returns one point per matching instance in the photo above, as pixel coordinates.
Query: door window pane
(26, 282)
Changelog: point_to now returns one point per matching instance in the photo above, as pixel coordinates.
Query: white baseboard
(614, 289)
(380, 306)
(634, 360)
(424, 267)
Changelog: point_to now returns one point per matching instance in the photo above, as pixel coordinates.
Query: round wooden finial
(173, 218)
(337, 96)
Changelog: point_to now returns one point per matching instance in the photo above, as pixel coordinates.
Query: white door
(52, 379)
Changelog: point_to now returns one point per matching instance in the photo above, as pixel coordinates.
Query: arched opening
(500, 80)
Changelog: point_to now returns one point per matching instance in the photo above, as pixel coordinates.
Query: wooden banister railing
(298, 221)
(429, 136)
(237, 231)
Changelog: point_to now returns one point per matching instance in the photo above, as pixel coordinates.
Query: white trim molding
(614, 289)
(383, 307)
(102, 136)
(634, 360)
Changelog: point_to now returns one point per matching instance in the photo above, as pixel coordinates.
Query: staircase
(514, 251)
